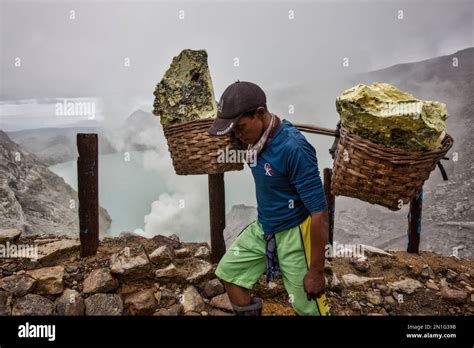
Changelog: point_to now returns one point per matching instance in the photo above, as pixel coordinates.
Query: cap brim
(222, 126)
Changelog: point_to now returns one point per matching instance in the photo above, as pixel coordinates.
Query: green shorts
(244, 263)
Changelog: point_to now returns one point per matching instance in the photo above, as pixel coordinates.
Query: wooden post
(414, 222)
(217, 215)
(331, 201)
(88, 193)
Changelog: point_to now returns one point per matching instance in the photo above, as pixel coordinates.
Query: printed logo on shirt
(268, 169)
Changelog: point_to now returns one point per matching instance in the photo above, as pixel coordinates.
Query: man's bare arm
(314, 281)
(319, 239)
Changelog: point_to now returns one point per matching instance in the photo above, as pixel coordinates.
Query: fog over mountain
(302, 53)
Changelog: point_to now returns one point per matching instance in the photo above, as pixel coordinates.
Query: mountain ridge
(34, 199)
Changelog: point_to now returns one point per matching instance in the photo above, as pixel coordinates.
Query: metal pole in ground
(88, 193)
(330, 200)
(217, 215)
(414, 222)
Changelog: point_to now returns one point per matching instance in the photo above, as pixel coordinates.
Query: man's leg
(293, 257)
(237, 295)
(241, 266)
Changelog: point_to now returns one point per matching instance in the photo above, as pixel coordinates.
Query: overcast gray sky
(84, 57)
(294, 50)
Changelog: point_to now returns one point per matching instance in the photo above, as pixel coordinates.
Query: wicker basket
(379, 174)
(194, 151)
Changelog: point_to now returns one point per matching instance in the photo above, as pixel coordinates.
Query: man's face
(249, 129)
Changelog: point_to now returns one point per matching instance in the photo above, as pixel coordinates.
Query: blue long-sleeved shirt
(287, 181)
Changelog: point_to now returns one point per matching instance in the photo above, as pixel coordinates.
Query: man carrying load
(290, 234)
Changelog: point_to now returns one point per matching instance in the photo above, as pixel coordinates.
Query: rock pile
(130, 275)
(402, 284)
(133, 275)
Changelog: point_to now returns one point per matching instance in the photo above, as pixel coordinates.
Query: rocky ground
(133, 275)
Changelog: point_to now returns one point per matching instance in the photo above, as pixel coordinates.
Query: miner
(289, 236)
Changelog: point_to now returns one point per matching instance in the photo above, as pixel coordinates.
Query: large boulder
(100, 280)
(407, 286)
(222, 301)
(124, 264)
(18, 284)
(374, 297)
(192, 301)
(168, 272)
(213, 288)
(200, 270)
(32, 304)
(202, 252)
(48, 253)
(354, 281)
(49, 279)
(162, 255)
(70, 303)
(385, 115)
(182, 253)
(141, 303)
(104, 304)
(454, 295)
(373, 251)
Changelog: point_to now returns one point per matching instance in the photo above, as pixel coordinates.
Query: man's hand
(314, 284)
(314, 281)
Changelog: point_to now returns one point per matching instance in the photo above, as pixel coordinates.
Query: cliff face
(34, 199)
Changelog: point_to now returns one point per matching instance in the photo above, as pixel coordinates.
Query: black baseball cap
(238, 98)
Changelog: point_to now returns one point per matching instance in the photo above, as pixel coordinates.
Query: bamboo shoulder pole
(315, 129)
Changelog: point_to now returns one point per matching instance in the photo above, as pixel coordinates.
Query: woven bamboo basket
(379, 174)
(194, 151)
